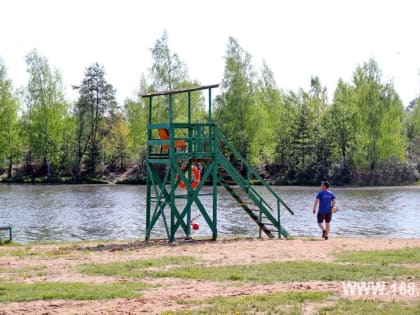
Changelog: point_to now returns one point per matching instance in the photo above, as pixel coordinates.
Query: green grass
(135, 268)
(278, 303)
(351, 307)
(29, 251)
(290, 271)
(9, 243)
(20, 252)
(25, 272)
(400, 256)
(18, 292)
(264, 273)
(292, 303)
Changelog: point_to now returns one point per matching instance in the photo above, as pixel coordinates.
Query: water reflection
(58, 213)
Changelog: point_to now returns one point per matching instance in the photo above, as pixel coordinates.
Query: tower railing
(252, 177)
(199, 137)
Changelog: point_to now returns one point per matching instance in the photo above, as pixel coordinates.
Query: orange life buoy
(194, 183)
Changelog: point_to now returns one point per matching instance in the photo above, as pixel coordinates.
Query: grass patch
(399, 256)
(26, 251)
(19, 292)
(278, 303)
(25, 272)
(135, 268)
(290, 271)
(264, 273)
(20, 251)
(7, 243)
(351, 307)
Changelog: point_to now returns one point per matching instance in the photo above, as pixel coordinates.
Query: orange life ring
(197, 177)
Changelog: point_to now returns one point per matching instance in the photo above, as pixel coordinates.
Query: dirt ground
(62, 268)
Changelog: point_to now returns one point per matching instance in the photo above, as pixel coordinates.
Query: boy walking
(325, 199)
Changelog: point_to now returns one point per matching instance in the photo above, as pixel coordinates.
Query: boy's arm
(315, 205)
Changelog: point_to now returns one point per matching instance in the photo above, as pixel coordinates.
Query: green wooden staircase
(242, 189)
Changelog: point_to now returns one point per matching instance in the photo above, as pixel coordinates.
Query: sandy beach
(60, 261)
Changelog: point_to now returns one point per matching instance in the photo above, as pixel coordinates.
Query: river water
(41, 213)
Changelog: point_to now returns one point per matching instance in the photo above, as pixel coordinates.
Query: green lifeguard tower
(184, 156)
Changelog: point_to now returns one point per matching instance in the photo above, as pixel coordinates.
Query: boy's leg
(327, 228)
(327, 225)
(320, 219)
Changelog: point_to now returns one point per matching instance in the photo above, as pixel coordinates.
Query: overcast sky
(298, 38)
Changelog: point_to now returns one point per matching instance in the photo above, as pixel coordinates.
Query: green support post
(210, 106)
(215, 146)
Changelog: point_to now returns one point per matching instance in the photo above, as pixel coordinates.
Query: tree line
(364, 135)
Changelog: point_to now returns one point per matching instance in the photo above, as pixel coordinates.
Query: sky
(298, 39)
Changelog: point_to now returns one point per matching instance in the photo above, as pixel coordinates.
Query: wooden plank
(177, 91)
(245, 203)
(202, 160)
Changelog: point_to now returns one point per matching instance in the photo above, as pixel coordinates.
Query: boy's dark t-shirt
(325, 199)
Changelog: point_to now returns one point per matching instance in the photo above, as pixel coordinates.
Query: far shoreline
(100, 182)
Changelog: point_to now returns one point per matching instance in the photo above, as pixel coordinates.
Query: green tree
(114, 142)
(236, 103)
(310, 147)
(378, 119)
(302, 132)
(10, 140)
(168, 72)
(266, 116)
(413, 120)
(322, 136)
(136, 113)
(341, 120)
(413, 132)
(96, 100)
(82, 133)
(339, 125)
(46, 111)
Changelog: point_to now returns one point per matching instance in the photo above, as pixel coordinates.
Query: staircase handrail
(248, 187)
(239, 156)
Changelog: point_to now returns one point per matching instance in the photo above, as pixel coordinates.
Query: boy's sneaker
(323, 233)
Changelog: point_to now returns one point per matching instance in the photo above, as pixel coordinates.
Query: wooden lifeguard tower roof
(182, 90)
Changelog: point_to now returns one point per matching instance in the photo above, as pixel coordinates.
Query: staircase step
(250, 201)
(234, 189)
(245, 203)
(202, 160)
(228, 181)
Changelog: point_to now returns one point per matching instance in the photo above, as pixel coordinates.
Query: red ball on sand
(195, 226)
